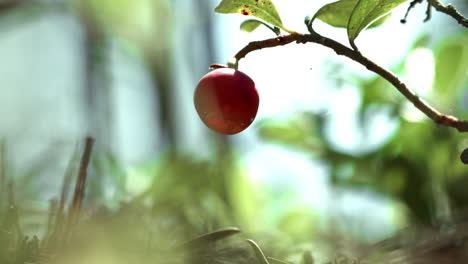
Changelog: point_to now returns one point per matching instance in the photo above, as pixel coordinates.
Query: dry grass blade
(210, 237)
(56, 224)
(258, 252)
(80, 185)
(275, 260)
(3, 178)
(67, 180)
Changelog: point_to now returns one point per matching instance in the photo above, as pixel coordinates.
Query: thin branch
(355, 55)
(3, 170)
(411, 6)
(267, 43)
(428, 12)
(82, 175)
(449, 10)
(78, 194)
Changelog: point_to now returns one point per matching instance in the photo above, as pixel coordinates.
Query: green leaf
(299, 222)
(263, 9)
(252, 24)
(421, 42)
(337, 14)
(307, 258)
(299, 131)
(451, 58)
(366, 12)
(378, 90)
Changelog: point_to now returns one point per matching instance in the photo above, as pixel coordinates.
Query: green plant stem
(340, 49)
(289, 30)
(272, 28)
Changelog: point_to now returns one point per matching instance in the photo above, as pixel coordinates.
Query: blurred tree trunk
(160, 70)
(159, 57)
(98, 95)
(197, 44)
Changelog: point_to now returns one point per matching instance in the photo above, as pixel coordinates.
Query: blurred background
(333, 147)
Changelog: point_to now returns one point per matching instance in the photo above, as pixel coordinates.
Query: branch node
(446, 120)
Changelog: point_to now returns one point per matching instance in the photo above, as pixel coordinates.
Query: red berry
(226, 100)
